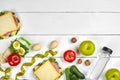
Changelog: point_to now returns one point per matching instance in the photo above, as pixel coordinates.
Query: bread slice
(7, 23)
(46, 72)
(2, 59)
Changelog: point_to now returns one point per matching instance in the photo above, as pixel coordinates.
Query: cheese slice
(7, 23)
(46, 72)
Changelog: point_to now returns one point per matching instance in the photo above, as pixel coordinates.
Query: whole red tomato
(14, 59)
(69, 56)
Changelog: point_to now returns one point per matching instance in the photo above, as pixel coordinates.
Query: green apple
(113, 79)
(113, 74)
(87, 48)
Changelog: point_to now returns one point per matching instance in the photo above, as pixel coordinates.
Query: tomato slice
(14, 59)
(69, 56)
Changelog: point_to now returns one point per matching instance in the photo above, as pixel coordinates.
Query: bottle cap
(107, 50)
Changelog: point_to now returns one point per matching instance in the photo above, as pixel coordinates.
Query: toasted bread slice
(46, 72)
(7, 23)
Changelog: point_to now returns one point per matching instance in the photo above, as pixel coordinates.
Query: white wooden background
(95, 19)
(66, 16)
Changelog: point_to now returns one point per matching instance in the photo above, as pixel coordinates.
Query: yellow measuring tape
(33, 61)
(6, 72)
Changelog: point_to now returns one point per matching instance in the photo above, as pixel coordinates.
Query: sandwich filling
(9, 24)
(49, 68)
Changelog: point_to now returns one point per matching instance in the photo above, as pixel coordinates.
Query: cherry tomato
(14, 59)
(69, 56)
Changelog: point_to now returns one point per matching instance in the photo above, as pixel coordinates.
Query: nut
(87, 62)
(36, 47)
(53, 44)
(79, 61)
(77, 50)
(73, 40)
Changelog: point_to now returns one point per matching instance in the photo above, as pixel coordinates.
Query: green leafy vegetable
(52, 59)
(1, 38)
(24, 43)
(2, 13)
(24, 39)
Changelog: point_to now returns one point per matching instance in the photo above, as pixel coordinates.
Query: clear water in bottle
(98, 68)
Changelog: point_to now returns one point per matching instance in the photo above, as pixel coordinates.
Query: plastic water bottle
(98, 68)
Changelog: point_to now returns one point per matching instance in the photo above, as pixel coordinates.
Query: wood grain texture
(66, 16)
(69, 23)
(60, 5)
(45, 20)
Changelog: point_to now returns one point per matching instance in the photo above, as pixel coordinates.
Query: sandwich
(47, 70)
(9, 24)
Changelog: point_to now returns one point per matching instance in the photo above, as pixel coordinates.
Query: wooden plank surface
(66, 16)
(60, 5)
(69, 23)
(97, 20)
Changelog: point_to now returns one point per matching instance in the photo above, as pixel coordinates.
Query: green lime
(87, 48)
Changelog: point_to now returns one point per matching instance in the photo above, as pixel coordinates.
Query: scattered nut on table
(77, 50)
(79, 61)
(73, 40)
(87, 62)
(36, 47)
(53, 44)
